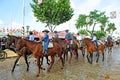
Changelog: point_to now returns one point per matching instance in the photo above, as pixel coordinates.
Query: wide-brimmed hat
(45, 31)
(66, 30)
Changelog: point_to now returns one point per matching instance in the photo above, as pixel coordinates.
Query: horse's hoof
(27, 69)
(37, 75)
(48, 70)
(12, 71)
(62, 68)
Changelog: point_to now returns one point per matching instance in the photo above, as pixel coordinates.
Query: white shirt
(94, 38)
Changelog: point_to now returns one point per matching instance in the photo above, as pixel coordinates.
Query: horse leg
(47, 60)
(91, 55)
(103, 56)
(97, 57)
(42, 61)
(76, 51)
(88, 58)
(25, 57)
(52, 62)
(83, 52)
(16, 62)
(62, 62)
(39, 66)
(70, 56)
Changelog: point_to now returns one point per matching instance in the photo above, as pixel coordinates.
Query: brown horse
(109, 45)
(24, 52)
(73, 48)
(92, 48)
(37, 50)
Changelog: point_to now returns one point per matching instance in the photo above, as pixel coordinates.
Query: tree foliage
(96, 17)
(52, 12)
(111, 27)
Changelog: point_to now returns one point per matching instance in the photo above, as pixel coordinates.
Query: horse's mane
(32, 41)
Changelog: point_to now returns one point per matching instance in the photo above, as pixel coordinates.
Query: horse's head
(86, 41)
(9, 42)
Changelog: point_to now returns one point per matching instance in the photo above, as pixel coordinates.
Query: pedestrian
(31, 36)
(46, 41)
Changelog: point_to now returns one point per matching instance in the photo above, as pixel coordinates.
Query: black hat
(45, 31)
(55, 31)
(66, 30)
(30, 32)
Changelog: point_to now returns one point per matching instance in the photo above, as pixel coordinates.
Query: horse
(109, 45)
(37, 51)
(117, 42)
(91, 47)
(73, 48)
(24, 52)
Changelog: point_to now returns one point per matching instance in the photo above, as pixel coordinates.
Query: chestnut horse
(92, 48)
(109, 45)
(37, 50)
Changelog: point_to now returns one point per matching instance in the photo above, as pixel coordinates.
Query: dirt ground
(76, 70)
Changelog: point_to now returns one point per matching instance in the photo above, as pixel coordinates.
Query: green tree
(52, 12)
(95, 18)
(98, 17)
(83, 31)
(111, 28)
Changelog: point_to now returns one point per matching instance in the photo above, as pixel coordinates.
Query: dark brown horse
(73, 48)
(37, 50)
(24, 52)
(92, 48)
(109, 45)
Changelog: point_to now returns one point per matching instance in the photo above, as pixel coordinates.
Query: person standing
(46, 41)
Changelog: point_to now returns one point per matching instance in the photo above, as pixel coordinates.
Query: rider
(56, 34)
(46, 41)
(94, 39)
(68, 37)
(31, 36)
(109, 38)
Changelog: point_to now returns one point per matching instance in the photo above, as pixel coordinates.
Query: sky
(11, 13)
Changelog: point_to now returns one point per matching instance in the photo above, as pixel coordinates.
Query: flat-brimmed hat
(45, 31)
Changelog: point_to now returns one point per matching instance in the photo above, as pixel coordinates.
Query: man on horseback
(56, 35)
(94, 40)
(68, 37)
(46, 41)
(109, 38)
(31, 36)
